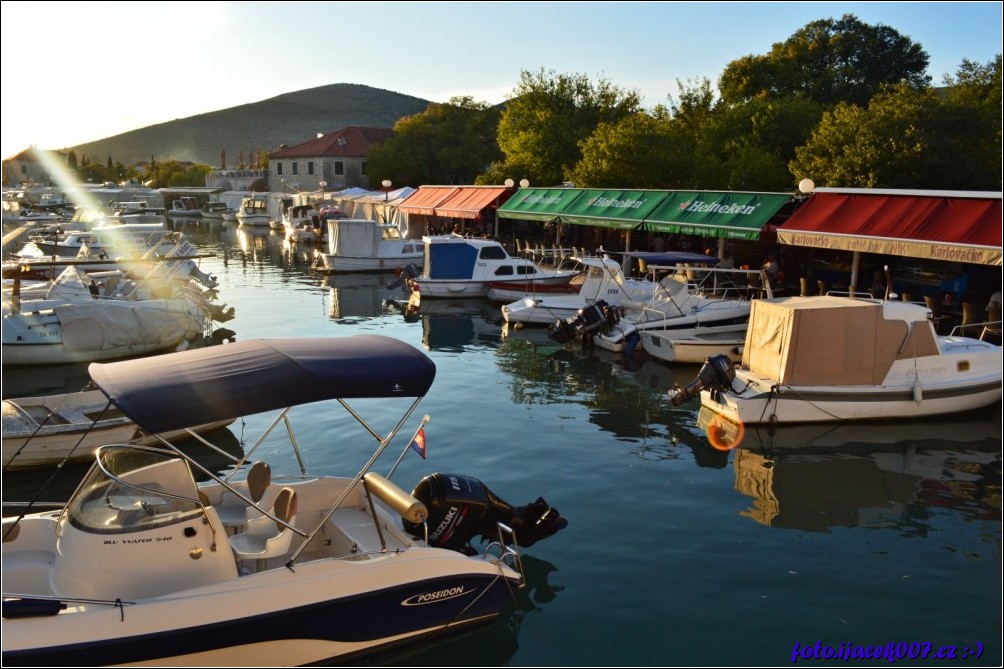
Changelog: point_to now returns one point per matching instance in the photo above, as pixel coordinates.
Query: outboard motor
(587, 321)
(717, 373)
(461, 508)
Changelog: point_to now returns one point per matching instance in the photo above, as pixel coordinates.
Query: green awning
(710, 214)
(538, 204)
(618, 209)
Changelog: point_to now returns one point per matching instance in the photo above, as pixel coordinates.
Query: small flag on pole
(418, 443)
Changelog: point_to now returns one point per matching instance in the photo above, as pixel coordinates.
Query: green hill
(290, 119)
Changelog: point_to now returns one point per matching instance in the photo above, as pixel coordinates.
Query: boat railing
(508, 553)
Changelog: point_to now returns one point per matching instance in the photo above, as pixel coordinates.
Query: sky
(93, 70)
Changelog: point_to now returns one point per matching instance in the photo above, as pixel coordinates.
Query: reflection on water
(454, 325)
(364, 295)
(893, 475)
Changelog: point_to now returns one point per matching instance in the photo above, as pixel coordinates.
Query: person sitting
(771, 268)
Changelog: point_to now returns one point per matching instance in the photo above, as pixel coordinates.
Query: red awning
(425, 200)
(468, 201)
(953, 226)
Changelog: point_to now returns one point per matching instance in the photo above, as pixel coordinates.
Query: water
(675, 553)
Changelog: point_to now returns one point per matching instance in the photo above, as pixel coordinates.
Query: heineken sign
(725, 214)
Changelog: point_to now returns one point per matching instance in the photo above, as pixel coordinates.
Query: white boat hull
(909, 391)
(695, 348)
(332, 264)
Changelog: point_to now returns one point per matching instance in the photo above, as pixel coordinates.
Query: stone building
(337, 158)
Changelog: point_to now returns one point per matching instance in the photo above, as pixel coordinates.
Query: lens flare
(723, 434)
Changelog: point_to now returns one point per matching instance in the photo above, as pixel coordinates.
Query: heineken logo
(542, 199)
(611, 203)
(697, 206)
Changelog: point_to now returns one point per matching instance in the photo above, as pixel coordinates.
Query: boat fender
(631, 343)
(31, 608)
(918, 392)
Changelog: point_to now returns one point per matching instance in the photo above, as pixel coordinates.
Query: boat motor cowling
(587, 321)
(461, 508)
(717, 372)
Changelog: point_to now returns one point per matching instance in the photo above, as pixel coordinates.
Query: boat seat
(233, 510)
(265, 538)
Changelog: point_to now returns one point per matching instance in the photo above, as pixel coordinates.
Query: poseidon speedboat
(144, 565)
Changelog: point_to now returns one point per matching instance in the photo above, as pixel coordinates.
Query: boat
(300, 222)
(839, 358)
(218, 211)
(49, 429)
(186, 206)
(457, 266)
(603, 280)
(695, 346)
(684, 299)
(138, 566)
(138, 211)
(359, 245)
(253, 212)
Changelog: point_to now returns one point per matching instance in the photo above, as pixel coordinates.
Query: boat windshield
(132, 489)
(391, 232)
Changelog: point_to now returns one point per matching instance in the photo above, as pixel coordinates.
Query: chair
(265, 538)
(803, 287)
(821, 287)
(938, 314)
(910, 297)
(993, 326)
(971, 314)
(258, 487)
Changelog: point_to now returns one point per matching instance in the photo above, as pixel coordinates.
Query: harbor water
(807, 545)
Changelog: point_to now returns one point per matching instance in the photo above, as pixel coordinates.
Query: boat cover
(177, 390)
(672, 257)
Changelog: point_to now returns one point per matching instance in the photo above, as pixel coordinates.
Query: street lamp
(524, 183)
(509, 183)
(386, 183)
(322, 185)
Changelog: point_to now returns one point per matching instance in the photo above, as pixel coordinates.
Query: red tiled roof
(351, 142)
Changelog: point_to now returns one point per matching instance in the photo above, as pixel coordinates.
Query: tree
(71, 160)
(904, 138)
(828, 61)
(639, 151)
(546, 119)
(448, 143)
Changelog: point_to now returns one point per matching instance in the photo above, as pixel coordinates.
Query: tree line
(842, 102)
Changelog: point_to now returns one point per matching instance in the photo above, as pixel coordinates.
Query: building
(27, 168)
(338, 159)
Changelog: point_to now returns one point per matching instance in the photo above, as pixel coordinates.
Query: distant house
(337, 158)
(27, 168)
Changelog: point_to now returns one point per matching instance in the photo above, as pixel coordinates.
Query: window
(493, 253)
(339, 168)
(278, 168)
(294, 168)
(362, 168)
(310, 168)
(504, 270)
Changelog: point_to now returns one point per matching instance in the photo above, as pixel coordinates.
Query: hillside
(291, 118)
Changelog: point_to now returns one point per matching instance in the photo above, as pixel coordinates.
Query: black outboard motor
(587, 321)
(717, 373)
(461, 508)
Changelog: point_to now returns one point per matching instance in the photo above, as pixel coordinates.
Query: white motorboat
(143, 565)
(186, 206)
(140, 211)
(684, 301)
(834, 358)
(357, 245)
(253, 212)
(218, 211)
(50, 429)
(603, 280)
(300, 222)
(695, 346)
(458, 266)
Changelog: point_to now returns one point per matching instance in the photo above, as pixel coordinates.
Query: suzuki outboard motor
(717, 373)
(461, 508)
